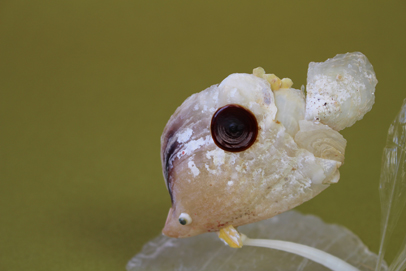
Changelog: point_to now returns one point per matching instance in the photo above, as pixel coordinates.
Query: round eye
(234, 128)
(185, 219)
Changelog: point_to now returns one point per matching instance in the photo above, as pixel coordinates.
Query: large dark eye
(234, 128)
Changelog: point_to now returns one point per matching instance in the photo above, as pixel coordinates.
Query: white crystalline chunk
(250, 91)
(340, 90)
(291, 108)
(207, 252)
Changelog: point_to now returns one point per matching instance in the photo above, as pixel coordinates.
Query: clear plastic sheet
(393, 185)
(207, 252)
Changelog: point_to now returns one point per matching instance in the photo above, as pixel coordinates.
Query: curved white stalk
(311, 253)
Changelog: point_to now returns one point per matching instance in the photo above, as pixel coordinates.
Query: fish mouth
(171, 229)
(166, 230)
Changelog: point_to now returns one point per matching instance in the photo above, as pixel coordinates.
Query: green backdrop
(86, 88)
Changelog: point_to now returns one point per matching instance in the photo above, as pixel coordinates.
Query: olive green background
(86, 88)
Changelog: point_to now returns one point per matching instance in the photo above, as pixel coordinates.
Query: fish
(253, 147)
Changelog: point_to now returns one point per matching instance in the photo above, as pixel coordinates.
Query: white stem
(316, 255)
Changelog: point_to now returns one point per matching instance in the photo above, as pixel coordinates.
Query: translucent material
(316, 255)
(206, 252)
(340, 90)
(393, 185)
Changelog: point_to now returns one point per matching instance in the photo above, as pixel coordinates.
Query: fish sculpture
(253, 147)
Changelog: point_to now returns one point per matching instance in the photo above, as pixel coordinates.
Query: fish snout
(173, 228)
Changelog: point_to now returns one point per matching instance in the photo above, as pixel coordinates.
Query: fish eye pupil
(185, 219)
(234, 128)
(182, 221)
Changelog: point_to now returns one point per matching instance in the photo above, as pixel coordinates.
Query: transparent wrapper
(207, 252)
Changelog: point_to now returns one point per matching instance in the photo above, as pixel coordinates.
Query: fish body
(295, 154)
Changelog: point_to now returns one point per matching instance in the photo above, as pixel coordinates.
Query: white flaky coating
(340, 91)
(296, 155)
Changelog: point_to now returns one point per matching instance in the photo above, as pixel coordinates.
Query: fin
(231, 237)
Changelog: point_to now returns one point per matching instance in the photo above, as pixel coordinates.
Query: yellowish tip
(273, 80)
(286, 83)
(259, 72)
(231, 236)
